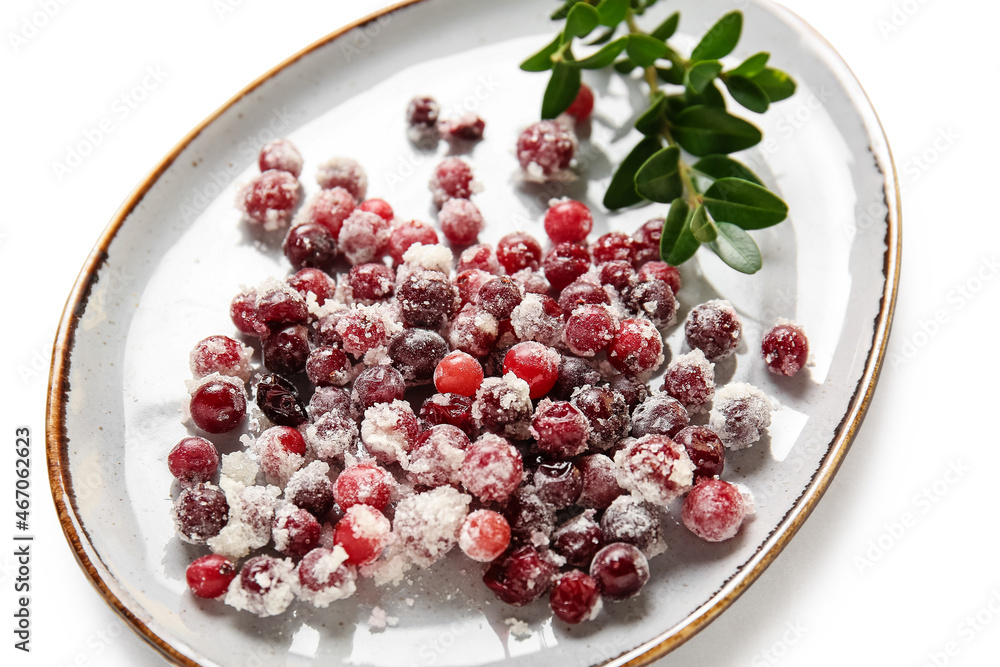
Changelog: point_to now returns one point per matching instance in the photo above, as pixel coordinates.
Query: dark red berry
(200, 512)
(714, 328)
(427, 299)
(279, 401)
(285, 352)
(575, 597)
(405, 234)
(521, 577)
(467, 127)
(590, 329)
(659, 415)
(632, 389)
(655, 300)
(415, 353)
(518, 251)
(278, 305)
(578, 540)
(371, 282)
(573, 374)
(661, 271)
(620, 570)
(499, 297)
(600, 484)
(704, 448)
(296, 532)
(558, 483)
(450, 409)
(607, 413)
(647, 243)
(270, 198)
(565, 263)
(785, 349)
(530, 518)
(218, 406)
(310, 245)
(328, 208)
(568, 221)
(545, 148)
(714, 510)
(376, 384)
(243, 312)
(582, 292)
(193, 460)
(618, 274)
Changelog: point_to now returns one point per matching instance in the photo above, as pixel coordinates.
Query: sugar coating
(307, 478)
(219, 346)
(321, 570)
(279, 586)
(391, 568)
(279, 530)
(430, 257)
(343, 172)
(331, 435)
(274, 219)
(532, 322)
(383, 431)
(197, 383)
(627, 519)
(518, 628)
(329, 207)
(240, 467)
(749, 503)
(427, 524)
(741, 414)
(378, 619)
(278, 463)
(655, 469)
(691, 376)
(532, 282)
(514, 398)
(439, 458)
(461, 221)
(282, 154)
(363, 235)
(251, 515)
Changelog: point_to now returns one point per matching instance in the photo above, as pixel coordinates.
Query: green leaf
(644, 50)
(561, 91)
(651, 120)
(703, 130)
(624, 66)
(710, 97)
(701, 74)
(604, 37)
(666, 30)
(702, 226)
(563, 11)
(582, 19)
(747, 93)
(621, 192)
(602, 58)
(752, 66)
(612, 12)
(674, 75)
(717, 167)
(743, 203)
(686, 245)
(720, 41)
(777, 84)
(659, 178)
(672, 227)
(542, 61)
(737, 249)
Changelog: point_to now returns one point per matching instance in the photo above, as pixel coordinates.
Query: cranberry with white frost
(265, 586)
(427, 299)
(575, 597)
(200, 512)
(371, 282)
(741, 414)
(521, 577)
(500, 296)
(361, 329)
(436, 458)
(310, 246)
(632, 522)
(573, 374)
(568, 221)
(517, 251)
(536, 364)
(607, 413)
(452, 409)
(659, 415)
(545, 149)
(280, 154)
(343, 172)
(270, 198)
(363, 237)
(324, 577)
(484, 536)
(600, 483)
(578, 540)
(328, 208)
(328, 366)
(690, 378)
(363, 533)
(452, 180)
(560, 429)
(480, 256)
(473, 331)
(460, 221)
(379, 207)
(282, 451)
(363, 484)
(557, 483)
(467, 127)
(286, 351)
(590, 329)
(705, 449)
(637, 347)
(503, 406)
(565, 263)
(492, 469)
(656, 468)
(376, 384)
(223, 355)
(415, 353)
(314, 281)
(714, 510)
(661, 271)
(296, 532)
(655, 300)
(193, 460)
(785, 349)
(714, 328)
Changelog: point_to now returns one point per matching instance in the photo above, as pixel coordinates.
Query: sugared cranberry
(220, 354)
(618, 274)
(343, 172)
(361, 329)
(557, 483)
(690, 378)
(320, 583)
(310, 245)
(620, 570)
(363, 533)
(280, 154)
(531, 519)
(655, 300)
(379, 207)
(363, 484)
(613, 246)
(371, 282)
(279, 401)
(481, 257)
(243, 312)
(521, 577)
(460, 221)
(655, 467)
(741, 414)
(499, 297)
(328, 367)
(467, 127)
(575, 598)
(452, 409)
(607, 413)
(311, 489)
(714, 510)
(265, 586)
(637, 347)
(518, 251)
(583, 104)
(427, 299)
(492, 469)
(422, 116)
(328, 208)
(631, 521)
(415, 353)
(200, 512)
(600, 484)
(484, 535)
(714, 328)
(503, 406)
(332, 435)
(329, 399)
(458, 373)
(218, 406)
(661, 271)
(582, 292)
(590, 329)
(193, 460)
(473, 331)
(363, 237)
(279, 304)
(469, 282)
(565, 263)
(659, 415)
(578, 540)
(704, 448)
(560, 429)
(270, 198)
(536, 364)
(285, 352)
(315, 281)
(209, 576)
(389, 430)
(436, 458)
(568, 221)
(405, 234)
(296, 532)
(377, 384)
(452, 180)
(545, 149)
(632, 389)
(785, 349)
(282, 452)
(647, 243)
(573, 374)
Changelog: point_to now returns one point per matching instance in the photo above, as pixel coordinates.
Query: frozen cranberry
(560, 429)
(460, 221)
(655, 300)
(582, 107)
(436, 458)
(484, 535)
(647, 243)
(481, 257)
(329, 399)
(285, 352)
(452, 180)
(636, 348)
(377, 384)
(328, 366)
(415, 353)
(521, 577)
(328, 208)
(531, 520)
(426, 525)
(458, 373)
(278, 305)
(343, 172)
(270, 198)
(613, 246)
(568, 221)
(323, 578)
(265, 586)
(296, 532)
(405, 234)
(607, 413)
(573, 374)
(538, 318)
(193, 460)
(280, 154)
(574, 597)
(785, 349)
(714, 328)
(690, 378)
(565, 263)
(714, 510)
(243, 312)
(473, 331)
(363, 484)
(332, 435)
(467, 127)
(427, 299)
(310, 245)
(209, 576)
(469, 282)
(200, 512)
(632, 389)
(499, 297)
(363, 533)
(379, 207)
(314, 281)
(363, 237)
(545, 149)
(389, 430)
(279, 401)
(311, 489)
(741, 414)
(656, 468)
(557, 483)
(600, 485)
(518, 251)
(220, 354)
(661, 271)
(659, 415)
(618, 274)
(536, 364)
(218, 406)
(704, 448)
(590, 329)
(371, 282)
(422, 116)
(492, 469)
(361, 329)
(578, 540)
(620, 570)
(582, 292)
(632, 522)
(452, 409)
(282, 452)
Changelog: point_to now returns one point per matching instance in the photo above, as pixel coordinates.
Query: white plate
(162, 276)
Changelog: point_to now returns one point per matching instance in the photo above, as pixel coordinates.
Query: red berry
(647, 243)
(613, 246)
(690, 378)
(243, 312)
(415, 353)
(371, 282)
(714, 328)
(379, 207)
(452, 409)
(218, 406)
(632, 522)
(320, 583)
(343, 172)
(313, 281)
(422, 111)
(618, 274)
(467, 127)
(280, 154)
(590, 329)
(714, 510)
(296, 532)
(655, 467)
(484, 535)
(363, 533)
(427, 299)
(632, 389)
(481, 257)
(578, 540)
(328, 208)
(581, 292)
(458, 373)
(278, 305)
(310, 245)
(655, 300)
(361, 330)
(405, 234)
(785, 349)
(452, 180)
(545, 149)
(574, 597)
(636, 348)
(558, 483)
(209, 576)
(499, 297)
(536, 364)
(518, 251)
(568, 221)
(565, 263)
(285, 351)
(376, 384)
(661, 271)
(607, 413)
(436, 458)
(389, 431)
(328, 366)
(282, 452)
(460, 221)
(200, 512)
(573, 374)
(363, 484)
(704, 448)
(659, 415)
(220, 354)
(560, 429)
(270, 198)
(583, 104)
(473, 331)
(266, 584)
(521, 577)
(620, 571)
(600, 484)
(492, 469)
(193, 460)
(363, 237)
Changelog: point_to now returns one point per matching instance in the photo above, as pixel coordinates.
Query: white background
(854, 587)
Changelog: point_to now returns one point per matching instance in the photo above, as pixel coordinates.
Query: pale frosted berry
(280, 154)
(714, 510)
(361, 329)
(690, 378)
(363, 533)
(458, 373)
(328, 366)
(517, 251)
(659, 415)
(200, 512)
(223, 355)
(714, 328)
(243, 313)
(632, 522)
(270, 198)
(467, 127)
(632, 389)
(328, 208)
(568, 221)
(785, 349)
(538, 318)
(637, 347)
(452, 180)
(332, 435)
(741, 414)
(460, 221)
(422, 116)
(405, 234)
(618, 274)
(621, 570)
(492, 469)
(371, 282)
(436, 458)
(363, 237)
(327, 399)
(503, 406)
(343, 172)
(656, 468)
(324, 577)
(193, 460)
(265, 586)
(484, 536)
(389, 430)
(209, 576)
(600, 483)
(427, 524)
(278, 304)
(473, 331)
(704, 448)
(363, 484)
(282, 451)
(575, 597)
(545, 149)
(427, 299)
(607, 413)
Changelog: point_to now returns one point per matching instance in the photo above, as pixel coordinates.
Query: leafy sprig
(716, 200)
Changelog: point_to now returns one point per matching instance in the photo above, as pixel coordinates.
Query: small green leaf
(602, 58)
(717, 167)
(720, 41)
(659, 178)
(753, 65)
(737, 249)
(651, 120)
(621, 192)
(777, 84)
(711, 97)
(686, 245)
(674, 75)
(703, 130)
(644, 50)
(701, 74)
(624, 66)
(666, 30)
(604, 37)
(747, 93)
(561, 91)
(542, 61)
(745, 204)
(702, 226)
(563, 10)
(581, 21)
(672, 227)
(612, 12)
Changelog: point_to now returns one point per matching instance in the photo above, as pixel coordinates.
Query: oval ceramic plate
(162, 276)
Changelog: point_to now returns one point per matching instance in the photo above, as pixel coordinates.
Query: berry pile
(544, 453)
